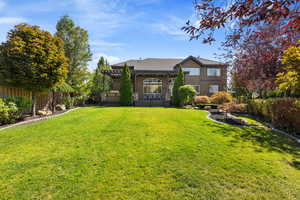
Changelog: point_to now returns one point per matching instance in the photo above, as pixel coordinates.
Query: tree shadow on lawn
(261, 138)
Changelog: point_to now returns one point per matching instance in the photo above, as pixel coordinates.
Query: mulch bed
(221, 116)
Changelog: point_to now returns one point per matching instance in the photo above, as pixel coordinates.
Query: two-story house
(153, 78)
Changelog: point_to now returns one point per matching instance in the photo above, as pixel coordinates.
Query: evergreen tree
(126, 90)
(101, 82)
(77, 49)
(179, 81)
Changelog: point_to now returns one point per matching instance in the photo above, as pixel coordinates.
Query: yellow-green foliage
(290, 80)
(32, 59)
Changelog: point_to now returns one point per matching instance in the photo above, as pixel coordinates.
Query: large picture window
(192, 71)
(214, 72)
(152, 86)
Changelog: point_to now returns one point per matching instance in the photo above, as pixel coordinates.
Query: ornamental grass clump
(221, 97)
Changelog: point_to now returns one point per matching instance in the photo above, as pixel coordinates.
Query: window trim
(215, 68)
(199, 70)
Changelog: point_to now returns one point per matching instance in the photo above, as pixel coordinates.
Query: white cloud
(102, 43)
(104, 16)
(11, 20)
(97, 56)
(172, 27)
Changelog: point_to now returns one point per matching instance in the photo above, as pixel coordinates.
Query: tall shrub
(179, 81)
(100, 82)
(126, 90)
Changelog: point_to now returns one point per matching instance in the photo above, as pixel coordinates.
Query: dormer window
(213, 72)
(192, 71)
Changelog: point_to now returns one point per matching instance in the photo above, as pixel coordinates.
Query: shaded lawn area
(145, 153)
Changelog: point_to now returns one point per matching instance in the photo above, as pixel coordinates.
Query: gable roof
(163, 64)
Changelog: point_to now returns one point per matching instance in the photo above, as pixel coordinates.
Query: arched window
(152, 86)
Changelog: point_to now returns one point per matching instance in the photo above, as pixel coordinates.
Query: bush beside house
(186, 94)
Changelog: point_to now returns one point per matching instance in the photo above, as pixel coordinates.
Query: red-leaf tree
(244, 15)
(257, 58)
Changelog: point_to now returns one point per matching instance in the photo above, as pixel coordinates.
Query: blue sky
(118, 29)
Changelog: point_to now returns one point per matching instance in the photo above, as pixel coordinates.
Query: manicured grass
(251, 121)
(145, 153)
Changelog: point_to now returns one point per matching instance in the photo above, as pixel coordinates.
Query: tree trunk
(53, 101)
(33, 104)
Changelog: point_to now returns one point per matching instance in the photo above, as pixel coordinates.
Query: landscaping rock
(207, 107)
(60, 107)
(44, 112)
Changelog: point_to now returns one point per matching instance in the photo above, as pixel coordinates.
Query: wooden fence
(43, 99)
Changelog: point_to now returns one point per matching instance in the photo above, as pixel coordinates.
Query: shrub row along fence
(43, 99)
(282, 113)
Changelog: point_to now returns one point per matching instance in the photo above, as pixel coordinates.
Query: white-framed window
(197, 88)
(192, 71)
(213, 72)
(213, 88)
(152, 86)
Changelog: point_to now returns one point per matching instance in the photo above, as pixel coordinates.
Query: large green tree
(126, 89)
(101, 82)
(32, 59)
(77, 49)
(179, 81)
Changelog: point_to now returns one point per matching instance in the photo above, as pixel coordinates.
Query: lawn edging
(36, 119)
(266, 125)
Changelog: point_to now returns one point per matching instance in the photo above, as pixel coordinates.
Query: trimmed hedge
(282, 113)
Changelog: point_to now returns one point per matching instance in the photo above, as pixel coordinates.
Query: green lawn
(145, 153)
